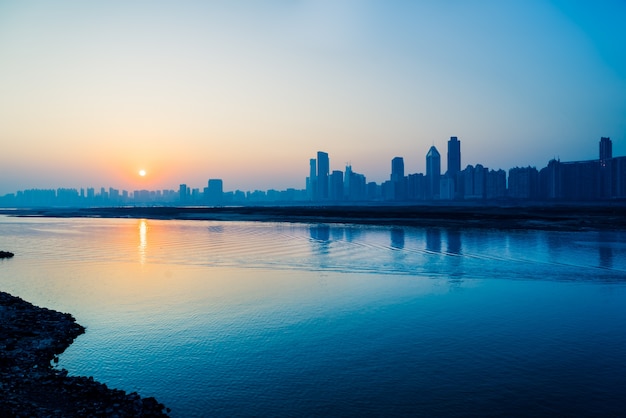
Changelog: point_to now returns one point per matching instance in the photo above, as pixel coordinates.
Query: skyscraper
(433, 172)
(606, 177)
(397, 169)
(454, 157)
(182, 192)
(398, 182)
(312, 180)
(606, 151)
(323, 167)
(215, 192)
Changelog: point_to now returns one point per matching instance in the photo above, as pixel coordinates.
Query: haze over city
(92, 93)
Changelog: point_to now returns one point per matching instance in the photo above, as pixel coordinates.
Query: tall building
(182, 192)
(495, 187)
(433, 172)
(354, 185)
(606, 170)
(323, 170)
(397, 169)
(606, 151)
(523, 183)
(454, 157)
(215, 192)
(335, 191)
(398, 184)
(312, 180)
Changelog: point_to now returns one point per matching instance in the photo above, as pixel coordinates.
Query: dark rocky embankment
(30, 338)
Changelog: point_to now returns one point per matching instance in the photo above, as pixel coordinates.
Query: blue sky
(248, 91)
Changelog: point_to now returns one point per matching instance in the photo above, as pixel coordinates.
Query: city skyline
(600, 178)
(244, 90)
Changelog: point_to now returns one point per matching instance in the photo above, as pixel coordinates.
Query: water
(280, 319)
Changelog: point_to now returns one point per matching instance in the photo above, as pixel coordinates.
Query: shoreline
(31, 338)
(566, 217)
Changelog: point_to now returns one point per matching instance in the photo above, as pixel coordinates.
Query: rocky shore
(30, 339)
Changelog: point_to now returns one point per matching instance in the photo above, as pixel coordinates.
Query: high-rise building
(523, 183)
(312, 180)
(335, 191)
(606, 170)
(606, 151)
(182, 192)
(215, 192)
(397, 169)
(398, 182)
(323, 169)
(433, 172)
(454, 157)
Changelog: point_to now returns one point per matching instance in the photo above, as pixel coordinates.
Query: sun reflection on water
(143, 240)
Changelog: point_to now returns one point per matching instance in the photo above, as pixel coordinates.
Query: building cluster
(600, 179)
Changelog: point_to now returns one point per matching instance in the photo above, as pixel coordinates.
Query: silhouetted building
(454, 157)
(449, 188)
(311, 185)
(495, 187)
(336, 186)
(354, 185)
(474, 182)
(550, 181)
(578, 180)
(114, 196)
(606, 150)
(617, 170)
(446, 188)
(397, 168)
(433, 172)
(523, 183)
(323, 169)
(373, 191)
(416, 187)
(215, 191)
(397, 187)
(183, 193)
(584, 180)
(606, 178)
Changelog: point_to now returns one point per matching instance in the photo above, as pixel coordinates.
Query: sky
(249, 91)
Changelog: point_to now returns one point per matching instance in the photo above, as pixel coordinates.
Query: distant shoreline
(570, 217)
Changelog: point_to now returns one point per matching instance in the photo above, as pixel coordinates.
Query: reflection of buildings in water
(218, 229)
(337, 233)
(455, 259)
(353, 233)
(605, 250)
(143, 240)
(320, 232)
(433, 240)
(397, 238)
(554, 243)
(454, 241)
(320, 239)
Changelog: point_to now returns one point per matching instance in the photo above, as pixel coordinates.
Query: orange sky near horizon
(90, 93)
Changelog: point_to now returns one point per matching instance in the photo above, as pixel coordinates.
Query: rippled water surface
(281, 319)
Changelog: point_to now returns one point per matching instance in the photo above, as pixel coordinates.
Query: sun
(142, 173)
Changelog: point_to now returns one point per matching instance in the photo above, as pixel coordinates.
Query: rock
(30, 387)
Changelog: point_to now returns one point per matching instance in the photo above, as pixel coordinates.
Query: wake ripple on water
(432, 252)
